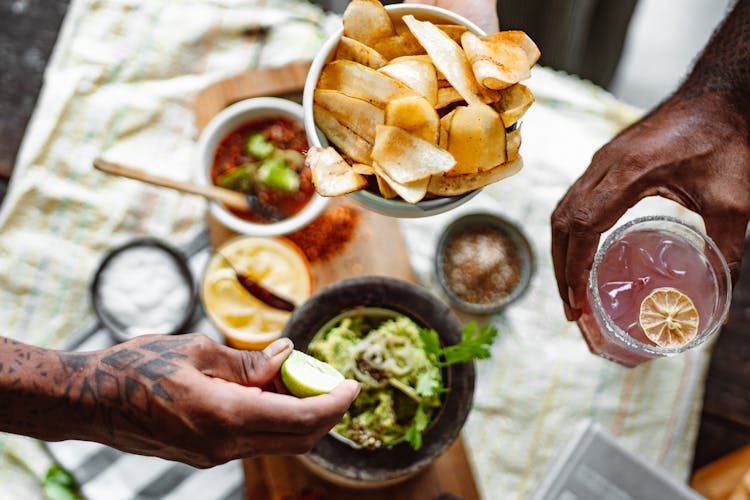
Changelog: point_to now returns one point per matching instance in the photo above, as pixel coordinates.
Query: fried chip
(367, 21)
(442, 185)
(418, 75)
(331, 174)
(386, 191)
(407, 158)
(414, 115)
(476, 139)
(357, 80)
(448, 57)
(447, 96)
(363, 168)
(498, 62)
(352, 50)
(445, 127)
(357, 115)
(411, 192)
(454, 31)
(513, 103)
(515, 38)
(513, 145)
(349, 143)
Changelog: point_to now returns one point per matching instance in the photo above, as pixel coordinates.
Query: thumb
(252, 368)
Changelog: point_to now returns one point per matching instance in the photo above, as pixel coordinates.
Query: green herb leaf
(475, 344)
(431, 341)
(413, 434)
(428, 385)
(59, 484)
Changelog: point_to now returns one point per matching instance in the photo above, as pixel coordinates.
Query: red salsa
(265, 159)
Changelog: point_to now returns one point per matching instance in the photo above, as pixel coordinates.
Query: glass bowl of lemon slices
(250, 287)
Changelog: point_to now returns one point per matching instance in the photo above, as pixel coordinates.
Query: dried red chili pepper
(259, 291)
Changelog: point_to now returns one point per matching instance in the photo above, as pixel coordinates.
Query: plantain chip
(367, 21)
(476, 139)
(448, 58)
(407, 158)
(513, 103)
(331, 174)
(447, 96)
(411, 192)
(357, 80)
(454, 31)
(352, 50)
(513, 145)
(499, 62)
(349, 143)
(357, 115)
(414, 115)
(363, 168)
(418, 75)
(442, 185)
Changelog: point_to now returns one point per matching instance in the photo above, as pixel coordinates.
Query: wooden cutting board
(376, 248)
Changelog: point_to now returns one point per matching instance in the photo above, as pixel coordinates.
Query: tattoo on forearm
(118, 389)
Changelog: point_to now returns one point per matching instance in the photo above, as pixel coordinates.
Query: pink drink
(638, 258)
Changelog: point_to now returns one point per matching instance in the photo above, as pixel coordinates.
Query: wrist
(39, 392)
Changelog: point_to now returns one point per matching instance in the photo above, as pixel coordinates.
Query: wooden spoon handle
(230, 198)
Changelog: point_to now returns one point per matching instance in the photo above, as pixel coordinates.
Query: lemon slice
(305, 376)
(669, 318)
(245, 321)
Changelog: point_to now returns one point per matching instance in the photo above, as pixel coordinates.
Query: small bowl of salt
(141, 287)
(483, 263)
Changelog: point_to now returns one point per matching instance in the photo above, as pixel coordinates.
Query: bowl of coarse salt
(483, 263)
(142, 287)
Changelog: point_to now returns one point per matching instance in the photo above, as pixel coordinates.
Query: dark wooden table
(28, 29)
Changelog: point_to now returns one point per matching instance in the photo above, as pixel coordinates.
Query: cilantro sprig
(475, 344)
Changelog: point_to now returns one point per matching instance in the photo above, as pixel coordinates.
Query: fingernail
(572, 299)
(277, 347)
(568, 312)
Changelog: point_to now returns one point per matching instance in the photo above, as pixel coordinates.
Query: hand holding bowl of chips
(412, 109)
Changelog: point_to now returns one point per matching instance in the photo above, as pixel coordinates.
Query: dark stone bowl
(339, 462)
(516, 237)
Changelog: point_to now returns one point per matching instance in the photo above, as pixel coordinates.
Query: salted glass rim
(619, 333)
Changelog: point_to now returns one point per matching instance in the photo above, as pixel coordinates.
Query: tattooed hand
(183, 398)
(694, 149)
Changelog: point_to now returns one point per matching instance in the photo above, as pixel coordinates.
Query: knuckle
(582, 221)
(253, 362)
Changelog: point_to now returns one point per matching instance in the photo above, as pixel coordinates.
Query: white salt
(142, 289)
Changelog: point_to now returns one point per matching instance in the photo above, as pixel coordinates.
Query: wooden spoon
(232, 199)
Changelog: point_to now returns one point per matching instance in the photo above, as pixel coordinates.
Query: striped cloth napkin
(121, 83)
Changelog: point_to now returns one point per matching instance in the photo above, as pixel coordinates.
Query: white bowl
(372, 201)
(225, 122)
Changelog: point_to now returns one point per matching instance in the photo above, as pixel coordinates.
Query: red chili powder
(327, 235)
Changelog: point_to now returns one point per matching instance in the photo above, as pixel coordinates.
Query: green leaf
(414, 433)
(475, 344)
(431, 341)
(428, 385)
(59, 484)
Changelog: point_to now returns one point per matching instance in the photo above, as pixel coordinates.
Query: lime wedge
(305, 376)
